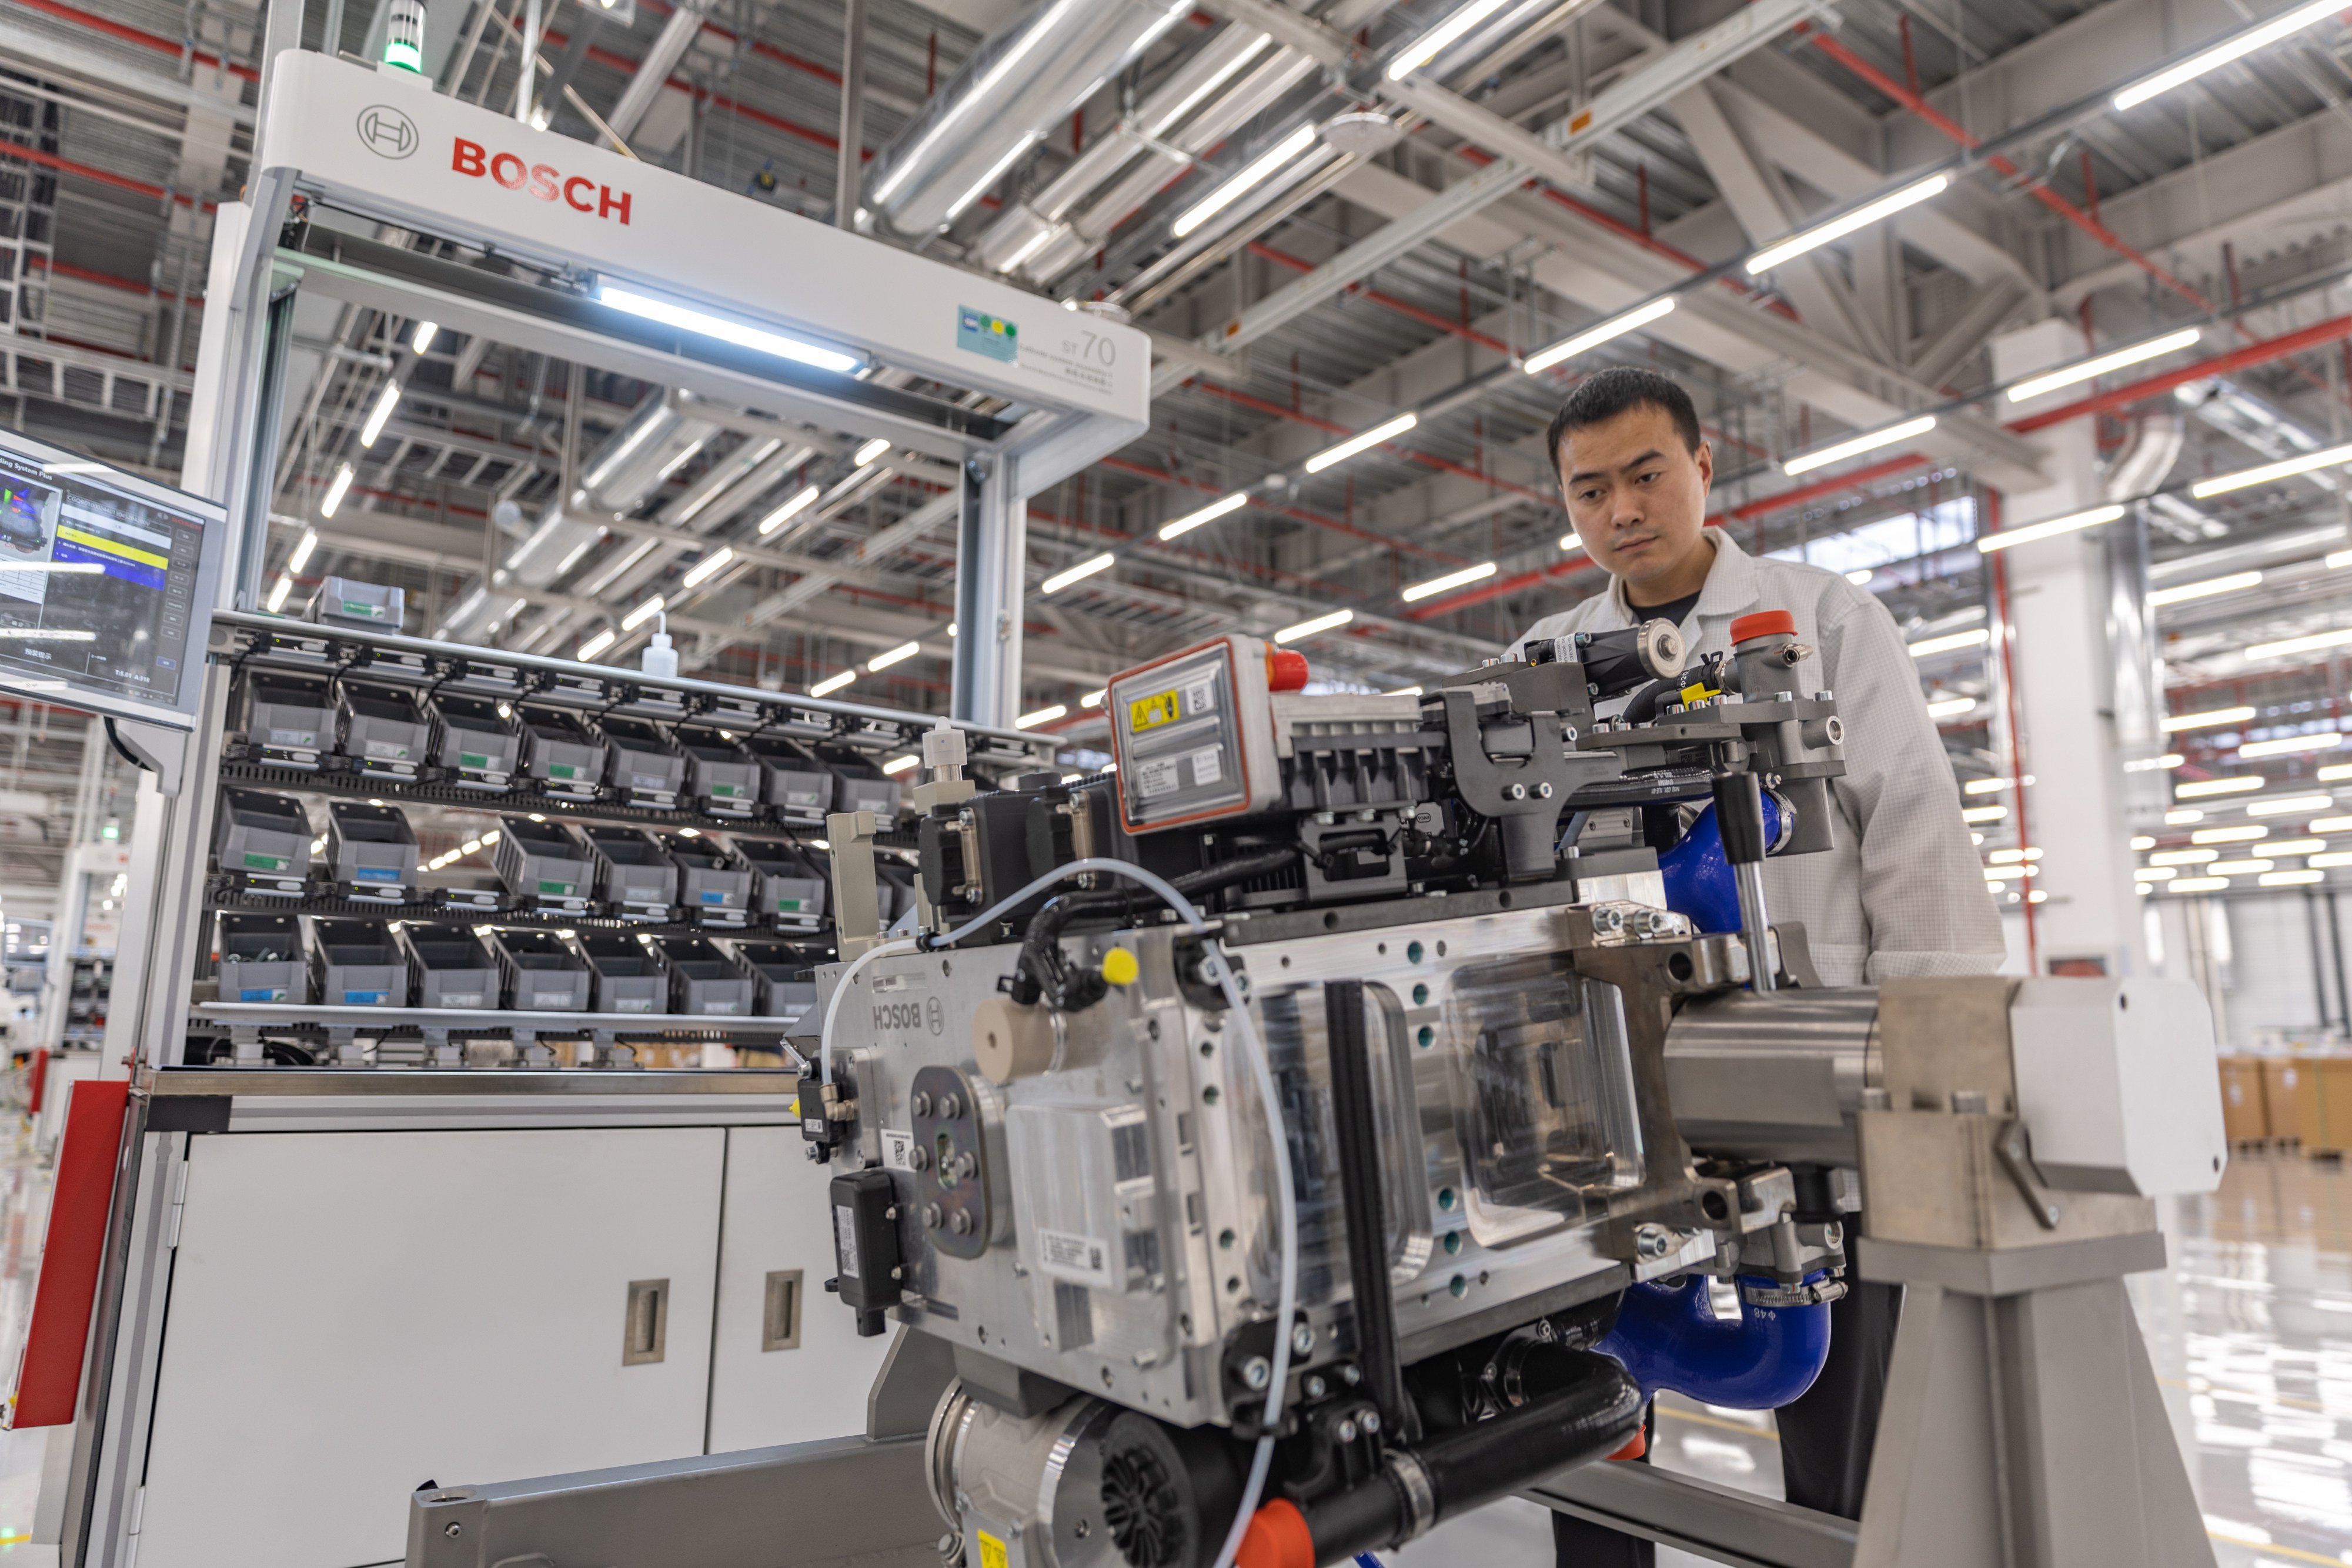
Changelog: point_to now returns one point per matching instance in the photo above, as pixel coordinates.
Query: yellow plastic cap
(1120, 968)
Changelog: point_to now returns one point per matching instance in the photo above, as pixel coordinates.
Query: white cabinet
(354, 1314)
(776, 1226)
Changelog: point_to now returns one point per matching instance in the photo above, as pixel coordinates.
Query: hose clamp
(1412, 1484)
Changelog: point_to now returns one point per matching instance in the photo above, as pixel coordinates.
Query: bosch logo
(387, 132)
(543, 181)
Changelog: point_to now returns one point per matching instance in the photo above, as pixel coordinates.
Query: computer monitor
(107, 585)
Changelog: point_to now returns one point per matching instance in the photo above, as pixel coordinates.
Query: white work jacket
(1902, 891)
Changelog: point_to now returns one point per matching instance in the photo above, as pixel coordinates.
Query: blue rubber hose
(1697, 873)
(1668, 1337)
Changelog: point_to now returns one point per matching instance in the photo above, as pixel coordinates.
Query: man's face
(1635, 493)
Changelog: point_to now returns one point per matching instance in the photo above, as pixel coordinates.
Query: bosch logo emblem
(543, 181)
(936, 1015)
(387, 132)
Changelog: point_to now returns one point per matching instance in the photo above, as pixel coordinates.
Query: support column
(849, 158)
(2074, 603)
(992, 549)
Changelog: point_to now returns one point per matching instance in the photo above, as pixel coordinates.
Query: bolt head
(931, 1217)
(921, 1104)
(1543, 791)
(1256, 1373)
(1369, 1421)
(1652, 1241)
(960, 1222)
(1348, 1431)
(1302, 1340)
(1517, 791)
(453, 1529)
(1316, 1387)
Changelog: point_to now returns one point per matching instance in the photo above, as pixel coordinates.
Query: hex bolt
(919, 1158)
(1370, 1422)
(967, 1163)
(960, 1222)
(1302, 1340)
(1651, 1241)
(950, 1107)
(1351, 1375)
(931, 1217)
(1316, 1387)
(920, 1105)
(1347, 1429)
(1258, 1371)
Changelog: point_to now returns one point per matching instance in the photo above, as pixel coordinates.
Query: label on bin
(633, 1004)
(720, 1007)
(376, 873)
(788, 906)
(386, 749)
(293, 737)
(804, 798)
(265, 862)
(557, 889)
(473, 760)
(262, 994)
(724, 792)
(363, 998)
(364, 611)
(462, 999)
(714, 898)
(650, 781)
(550, 1000)
(562, 771)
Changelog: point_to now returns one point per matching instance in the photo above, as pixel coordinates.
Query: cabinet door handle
(645, 1324)
(780, 1321)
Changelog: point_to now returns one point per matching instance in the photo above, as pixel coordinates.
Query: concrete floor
(2251, 1333)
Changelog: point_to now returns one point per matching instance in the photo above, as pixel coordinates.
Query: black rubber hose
(1040, 975)
(1589, 1418)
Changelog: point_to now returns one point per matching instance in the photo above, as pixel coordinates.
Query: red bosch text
(543, 181)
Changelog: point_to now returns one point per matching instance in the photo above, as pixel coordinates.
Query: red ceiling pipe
(85, 172)
(2261, 352)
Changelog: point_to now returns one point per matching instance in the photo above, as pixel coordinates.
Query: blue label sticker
(261, 994)
(363, 998)
(714, 898)
(375, 873)
(984, 334)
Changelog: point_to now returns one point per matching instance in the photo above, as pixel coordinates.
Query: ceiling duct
(1013, 88)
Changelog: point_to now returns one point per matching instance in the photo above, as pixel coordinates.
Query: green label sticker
(788, 906)
(991, 336)
(355, 607)
(558, 889)
(473, 760)
(724, 792)
(265, 862)
(562, 771)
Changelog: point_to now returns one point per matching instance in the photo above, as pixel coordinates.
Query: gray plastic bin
(542, 866)
(721, 777)
(627, 975)
(789, 886)
(263, 842)
(640, 763)
(560, 752)
(380, 729)
(778, 992)
(796, 786)
(371, 852)
(635, 880)
(541, 974)
(261, 959)
(859, 786)
(713, 885)
(353, 963)
(474, 746)
(703, 980)
(370, 606)
(289, 721)
(449, 967)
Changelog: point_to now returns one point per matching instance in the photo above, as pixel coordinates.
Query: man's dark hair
(1605, 394)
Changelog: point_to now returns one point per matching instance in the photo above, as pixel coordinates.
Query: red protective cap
(1763, 623)
(1635, 1446)
(1285, 671)
(1278, 1537)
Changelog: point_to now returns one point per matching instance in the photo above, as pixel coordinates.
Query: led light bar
(871, 450)
(1570, 544)
(277, 593)
(1950, 642)
(1951, 707)
(1388, 431)
(832, 684)
(2333, 858)
(1255, 172)
(2154, 872)
(2310, 644)
(2294, 846)
(2099, 365)
(1616, 326)
(2334, 771)
(1441, 38)
(596, 645)
(670, 313)
(2198, 884)
(384, 403)
(2286, 804)
(901, 764)
(2200, 789)
(2290, 746)
(1094, 697)
(789, 510)
(2238, 835)
(1869, 441)
(1223, 505)
(890, 656)
(2182, 815)
(2175, 723)
(1046, 714)
(2170, 760)
(337, 491)
(2027, 533)
(1084, 569)
(1983, 813)
(708, 567)
(1451, 581)
(2237, 45)
(643, 614)
(2185, 857)
(2206, 589)
(1318, 623)
(295, 562)
(2240, 868)
(2285, 468)
(2289, 878)
(422, 337)
(1862, 217)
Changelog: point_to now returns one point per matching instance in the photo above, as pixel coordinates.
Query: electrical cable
(1215, 968)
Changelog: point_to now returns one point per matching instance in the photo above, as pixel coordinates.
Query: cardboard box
(2286, 1079)
(2244, 1115)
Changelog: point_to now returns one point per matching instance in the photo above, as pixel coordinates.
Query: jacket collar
(1731, 585)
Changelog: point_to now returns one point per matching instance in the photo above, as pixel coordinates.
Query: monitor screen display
(106, 584)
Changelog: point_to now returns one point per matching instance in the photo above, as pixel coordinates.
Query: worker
(1901, 894)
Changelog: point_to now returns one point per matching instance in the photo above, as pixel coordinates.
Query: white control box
(2117, 1085)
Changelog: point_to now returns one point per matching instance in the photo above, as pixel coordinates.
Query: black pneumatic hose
(1040, 975)
(1589, 1418)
